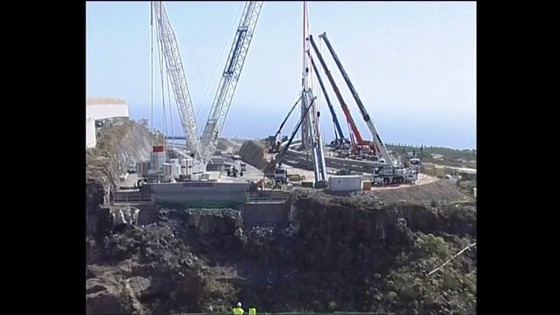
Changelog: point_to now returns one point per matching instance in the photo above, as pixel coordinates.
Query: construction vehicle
(340, 142)
(203, 148)
(391, 172)
(309, 122)
(275, 141)
(275, 170)
(312, 133)
(311, 138)
(233, 171)
(269, 170)
(177, 77)
(230, 78)
(415, 164)
(394, 174)
(359, 147)
(270, 143)
(280, 175)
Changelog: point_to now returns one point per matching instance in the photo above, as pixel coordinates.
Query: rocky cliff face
(336, 254)
(377, 221)
(117, 147)
(163, 267)
(345, 254)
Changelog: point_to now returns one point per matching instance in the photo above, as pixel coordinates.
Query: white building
(99, 107)
(91, 140)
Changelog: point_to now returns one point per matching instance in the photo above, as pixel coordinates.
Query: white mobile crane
(392, 172)
(312, 116)
(309, 122)
(203, 149)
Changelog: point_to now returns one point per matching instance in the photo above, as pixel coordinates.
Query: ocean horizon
(430, 130)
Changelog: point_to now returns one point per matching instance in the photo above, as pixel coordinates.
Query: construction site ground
(309, 176)
(438, 189)
(427, 188)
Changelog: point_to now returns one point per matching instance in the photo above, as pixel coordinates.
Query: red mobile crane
(392, 172)
(358, 143)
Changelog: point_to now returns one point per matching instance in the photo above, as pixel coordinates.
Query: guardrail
(131, 199)
(266, 199)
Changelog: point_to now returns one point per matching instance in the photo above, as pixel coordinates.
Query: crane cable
(161, 72)
(232, 27)
(169, 131)
(152, 67)
(171, 111)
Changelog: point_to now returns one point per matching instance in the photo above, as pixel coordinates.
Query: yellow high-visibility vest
(252, 311)
(238, 311)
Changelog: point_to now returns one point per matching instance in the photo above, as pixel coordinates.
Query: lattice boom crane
(230, 77)
(177, 76)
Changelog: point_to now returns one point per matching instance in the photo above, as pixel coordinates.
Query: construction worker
(238, 310)
(252, 310)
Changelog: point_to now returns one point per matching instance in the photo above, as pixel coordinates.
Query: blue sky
(412, 63)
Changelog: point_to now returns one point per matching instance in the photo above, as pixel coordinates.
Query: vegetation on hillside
(448, 156)
(450, 290)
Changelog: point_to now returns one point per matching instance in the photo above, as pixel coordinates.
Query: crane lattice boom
(230, 77)
(177, 76)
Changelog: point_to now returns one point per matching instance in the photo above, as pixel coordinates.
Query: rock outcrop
(117, 147)
(339, 254)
